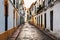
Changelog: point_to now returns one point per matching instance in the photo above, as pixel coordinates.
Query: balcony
(51, 3)
(40, 8)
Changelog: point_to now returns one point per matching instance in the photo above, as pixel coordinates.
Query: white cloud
(28, 3)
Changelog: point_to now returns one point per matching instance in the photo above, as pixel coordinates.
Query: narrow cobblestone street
(29, 19)
(29, 32)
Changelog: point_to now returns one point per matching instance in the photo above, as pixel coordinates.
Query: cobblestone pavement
(29, 32)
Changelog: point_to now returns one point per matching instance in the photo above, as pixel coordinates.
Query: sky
(28, 3)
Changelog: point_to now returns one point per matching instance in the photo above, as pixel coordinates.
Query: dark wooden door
(51, 20)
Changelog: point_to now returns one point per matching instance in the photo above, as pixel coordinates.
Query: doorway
(45, 20)
(51, 20)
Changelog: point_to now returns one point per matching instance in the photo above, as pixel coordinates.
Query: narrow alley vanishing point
(30, 32)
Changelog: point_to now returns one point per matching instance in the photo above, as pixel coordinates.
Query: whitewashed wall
(48, 19)
(56, 15)
(10, 16)
(2, 17)
(56, 18)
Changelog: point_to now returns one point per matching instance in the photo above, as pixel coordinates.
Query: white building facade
(48, 14)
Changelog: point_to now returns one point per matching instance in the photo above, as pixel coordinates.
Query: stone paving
(29, 32)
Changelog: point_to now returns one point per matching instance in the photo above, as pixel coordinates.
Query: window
(45, 20)
(30, 17)
(17, 5)
(35, 8)
(35, 18)
(43, 3)
(49, 1)
(51, 20)
(14, 2)
(27, 11)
